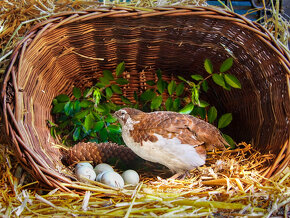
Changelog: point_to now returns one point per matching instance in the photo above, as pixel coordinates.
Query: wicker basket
(72, 49)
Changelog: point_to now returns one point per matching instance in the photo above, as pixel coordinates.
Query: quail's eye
(123, 113)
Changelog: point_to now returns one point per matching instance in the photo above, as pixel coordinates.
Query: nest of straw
(228, 185)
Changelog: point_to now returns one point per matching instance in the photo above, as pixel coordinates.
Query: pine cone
(98, 153)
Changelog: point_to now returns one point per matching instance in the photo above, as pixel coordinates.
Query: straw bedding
(228, 185)
(239, 182)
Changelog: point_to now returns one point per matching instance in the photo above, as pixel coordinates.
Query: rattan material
(72, 49)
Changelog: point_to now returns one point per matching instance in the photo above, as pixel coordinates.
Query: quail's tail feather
(222, 143)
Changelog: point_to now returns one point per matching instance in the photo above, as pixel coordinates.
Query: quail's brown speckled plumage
(175, 140)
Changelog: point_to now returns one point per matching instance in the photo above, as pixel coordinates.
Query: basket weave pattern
(72, 49)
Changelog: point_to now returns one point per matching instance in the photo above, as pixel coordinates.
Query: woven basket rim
(216, 12)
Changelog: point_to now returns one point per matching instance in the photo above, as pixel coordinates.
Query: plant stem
(209, 76)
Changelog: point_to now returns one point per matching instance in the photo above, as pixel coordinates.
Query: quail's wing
(166, 124)
(189, 130)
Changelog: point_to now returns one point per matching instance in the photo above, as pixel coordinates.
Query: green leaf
(104, 135)
(156, 102)
(226, 65)
(212, 114)
(52, 131)
(88, 92)
(179, 89)
(100, 85)
(113, 106)
(161, 85)
(229, 140)
(107, 109)
(201, 112)
(187, 109)
(168, 104)
(116, 89)
(76, 106)
(182, 79)
(195, 95)
(203, 103)
(98, 126)
(218, 79)
(54, 101)
(227, 86)
(232, 81)
(114, 128)
(176, 104)
(148, 95)
(110, 119)
(85, 103)
(102, 109)
(62, 98)
(208, 66)
(126, 100)
(108, 75)
(81, 114)
(89, 122)
(51, 124)
(151, 82)
(97, 96)
(122, 81)
(197, 77)
(104, 81)
(58, 108)
(225, 120)
(77, 92)
(68, 108)
(136, 96)
(159, 74)
(109, 92)
(93, 134)
(171, 87)
(116, 138)
(204, 86)
(120, 68)
(76, 133)
(74, 121)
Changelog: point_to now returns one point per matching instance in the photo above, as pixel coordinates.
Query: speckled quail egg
(112, 179)
(130, 177)
(81, 164)
(103, 167)
(85, 172)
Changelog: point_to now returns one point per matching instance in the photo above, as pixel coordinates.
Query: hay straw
(227, 185)
(277, 24)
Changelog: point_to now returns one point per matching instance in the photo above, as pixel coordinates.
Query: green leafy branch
(87, 117)
(153, 98)
(221, 78)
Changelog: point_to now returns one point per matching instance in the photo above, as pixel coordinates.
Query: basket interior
(76, 53)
